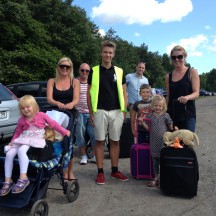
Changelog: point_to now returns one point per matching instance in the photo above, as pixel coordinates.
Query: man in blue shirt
(133, 83)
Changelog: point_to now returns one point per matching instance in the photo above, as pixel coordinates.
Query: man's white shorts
(108, 122)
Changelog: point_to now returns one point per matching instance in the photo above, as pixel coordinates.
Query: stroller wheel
(72, 190)
(40, 207)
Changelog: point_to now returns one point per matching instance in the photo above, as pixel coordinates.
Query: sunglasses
(67, 67)
(85, 70)
(179, 57)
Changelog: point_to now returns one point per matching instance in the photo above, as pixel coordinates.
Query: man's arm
(125, 95)
(167, 87)
(90, 105)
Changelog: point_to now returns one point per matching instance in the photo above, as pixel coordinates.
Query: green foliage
(211, 80)
(203, 78)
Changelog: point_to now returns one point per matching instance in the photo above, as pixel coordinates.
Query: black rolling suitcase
(179, 172)
(126, 139)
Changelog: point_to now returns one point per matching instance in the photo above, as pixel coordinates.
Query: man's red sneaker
(100, 180)
(119, 176)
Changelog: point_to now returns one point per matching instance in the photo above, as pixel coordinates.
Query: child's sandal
(153, 183)
(7, 186)
(20, 186)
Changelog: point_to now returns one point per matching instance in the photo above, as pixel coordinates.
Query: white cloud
(102, 32)
(213, 45)
(192, 45)
(142, 12)
(136, 34)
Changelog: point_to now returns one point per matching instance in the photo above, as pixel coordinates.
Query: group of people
(102, 95)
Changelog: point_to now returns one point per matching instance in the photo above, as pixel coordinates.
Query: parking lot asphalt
(134, 197)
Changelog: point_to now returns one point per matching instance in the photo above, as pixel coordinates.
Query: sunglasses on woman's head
(179, 57)
(67, 67)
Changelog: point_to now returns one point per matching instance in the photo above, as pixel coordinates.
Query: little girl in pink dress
(29, 132)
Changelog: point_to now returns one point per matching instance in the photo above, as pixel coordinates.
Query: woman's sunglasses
(67, 67)
(179, 57)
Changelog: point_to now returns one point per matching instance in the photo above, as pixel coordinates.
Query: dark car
(34, 88)
(159, 91)
(204, 93)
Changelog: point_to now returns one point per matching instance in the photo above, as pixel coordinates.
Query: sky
(161, 25)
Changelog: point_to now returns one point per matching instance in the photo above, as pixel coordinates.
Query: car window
(5, 94)
(43, 91)
(31, 89)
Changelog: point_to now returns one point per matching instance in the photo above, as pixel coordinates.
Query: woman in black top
(63, 91)
(182, 86)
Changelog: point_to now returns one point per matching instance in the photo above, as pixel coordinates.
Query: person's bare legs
(23, 176)
(68, 173)
(99, 153)
(83, 150)
(70, 170)
(114, 153)
(8, 179)
(114, 156)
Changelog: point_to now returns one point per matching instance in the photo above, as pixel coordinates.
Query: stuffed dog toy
(187, 137)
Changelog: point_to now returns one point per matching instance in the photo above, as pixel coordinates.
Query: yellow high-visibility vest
(94, 91)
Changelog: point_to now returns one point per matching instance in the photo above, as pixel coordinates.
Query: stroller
(39, 174)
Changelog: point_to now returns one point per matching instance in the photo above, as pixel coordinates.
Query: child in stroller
(29, 132)
(40, 173)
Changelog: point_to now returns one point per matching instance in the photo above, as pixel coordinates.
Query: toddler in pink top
(29, 132)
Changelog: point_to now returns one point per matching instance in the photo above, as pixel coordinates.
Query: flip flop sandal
(20, 186)
(7, 186)
(72, 179)
(153, 183)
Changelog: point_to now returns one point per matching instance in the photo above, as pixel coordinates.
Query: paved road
(134, 197)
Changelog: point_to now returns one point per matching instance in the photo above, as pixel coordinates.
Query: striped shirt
(82, 106)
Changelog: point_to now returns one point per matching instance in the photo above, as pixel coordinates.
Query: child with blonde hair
(160, 123)
(29, 132)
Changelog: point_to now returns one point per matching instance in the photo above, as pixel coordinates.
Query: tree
(70, 30)
(203, 78)
(211, 81)
(35, 34)
(25, 51)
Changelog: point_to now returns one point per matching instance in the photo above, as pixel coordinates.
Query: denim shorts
(83, 127)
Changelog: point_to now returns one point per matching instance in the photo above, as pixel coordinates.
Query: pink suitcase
(141, 161)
